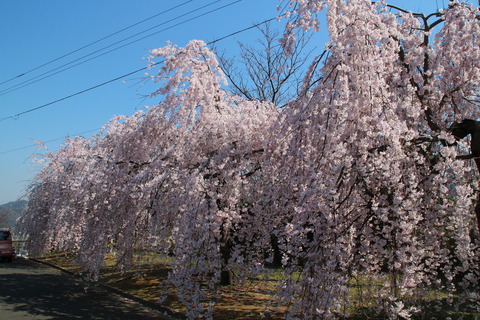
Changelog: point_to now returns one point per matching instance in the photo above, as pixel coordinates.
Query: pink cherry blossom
(358, 177)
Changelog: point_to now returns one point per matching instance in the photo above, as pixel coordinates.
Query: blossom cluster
(358, 177)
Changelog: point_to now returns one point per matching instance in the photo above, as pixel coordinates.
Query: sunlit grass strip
(252, 297)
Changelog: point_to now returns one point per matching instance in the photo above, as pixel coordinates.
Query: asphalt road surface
(30, 290)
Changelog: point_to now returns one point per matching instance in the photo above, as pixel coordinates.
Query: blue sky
(37, 32)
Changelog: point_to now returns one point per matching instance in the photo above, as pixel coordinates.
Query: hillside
(10, 212)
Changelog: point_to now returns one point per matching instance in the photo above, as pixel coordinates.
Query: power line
(49, 73)
(112, 80)
(94, 42)
(16, 116)
(243, 30)
(44, 142)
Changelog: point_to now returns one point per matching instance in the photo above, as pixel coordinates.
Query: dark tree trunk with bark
(477, 211)
(460, 130)
(226, 275)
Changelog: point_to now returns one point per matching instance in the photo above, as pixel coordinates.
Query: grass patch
(246, 301)
(250, 298)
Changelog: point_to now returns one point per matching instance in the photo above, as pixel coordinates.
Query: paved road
(30, 290)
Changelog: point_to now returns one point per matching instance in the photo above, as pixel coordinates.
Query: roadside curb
(148, 304)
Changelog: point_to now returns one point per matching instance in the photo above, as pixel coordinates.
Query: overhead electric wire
(44, 142)
(49, 73)
(104, 83)
(16, 116)
(94, 42)
(240, 31)
(112, 80)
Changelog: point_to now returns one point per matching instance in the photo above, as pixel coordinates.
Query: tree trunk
(477, 212)
(477, 207)
(226, 278)
(277, 253)
(226, 275)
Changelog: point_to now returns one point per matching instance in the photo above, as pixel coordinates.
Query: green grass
(248, 299)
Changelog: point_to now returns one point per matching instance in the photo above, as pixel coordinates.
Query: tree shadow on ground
(49, 294)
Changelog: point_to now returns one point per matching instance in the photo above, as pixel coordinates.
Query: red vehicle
(7, 251)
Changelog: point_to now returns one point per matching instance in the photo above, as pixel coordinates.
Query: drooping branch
(468, 127)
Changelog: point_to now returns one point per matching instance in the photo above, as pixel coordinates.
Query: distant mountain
(10, 212)
(16, 205)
